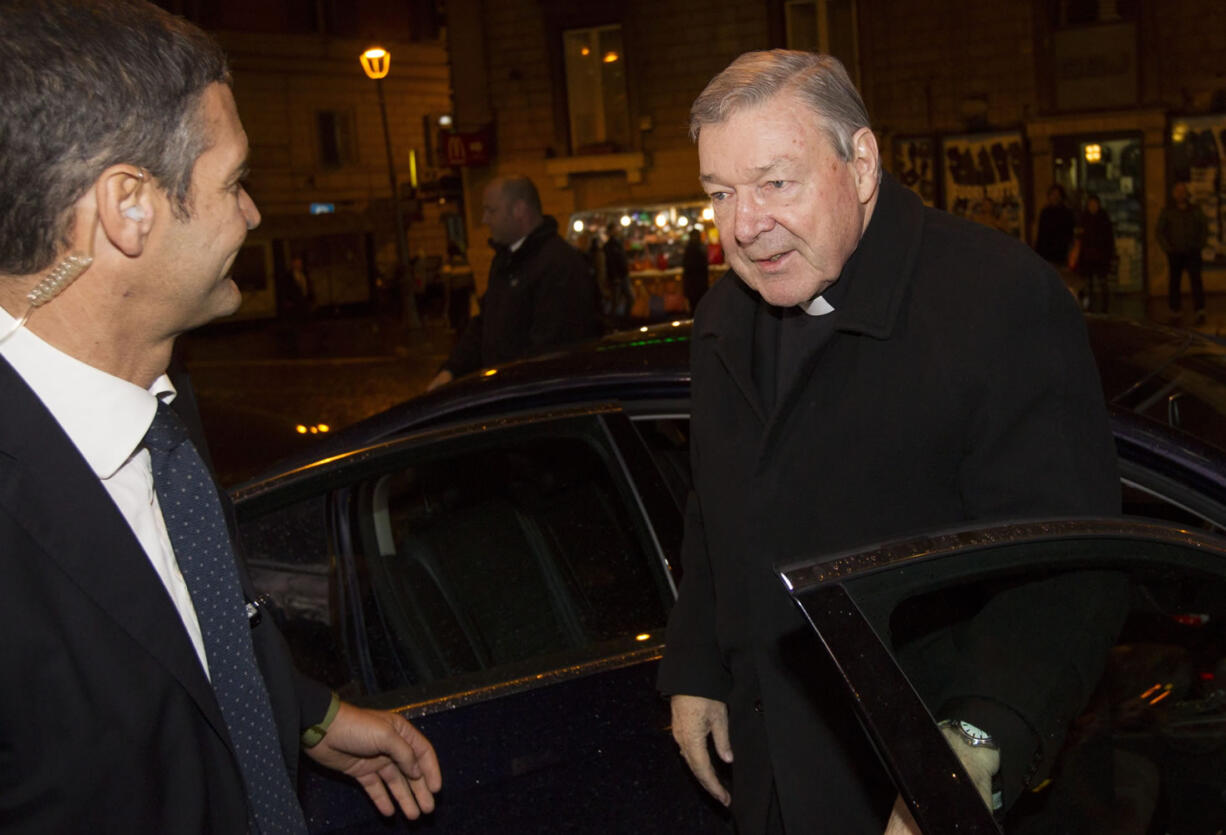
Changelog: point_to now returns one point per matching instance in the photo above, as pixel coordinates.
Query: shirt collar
(817, 307)
(518, 243)
(105, 417)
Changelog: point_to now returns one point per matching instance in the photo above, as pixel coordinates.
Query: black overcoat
(540, 296)
(958, 385)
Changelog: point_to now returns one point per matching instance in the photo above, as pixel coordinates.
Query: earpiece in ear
(134, 213)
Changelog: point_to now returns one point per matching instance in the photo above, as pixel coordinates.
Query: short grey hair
(84, 85)
(820, 81)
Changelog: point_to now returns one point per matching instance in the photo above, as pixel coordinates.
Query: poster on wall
(984, 180)
(1196, 157)
(915, 165)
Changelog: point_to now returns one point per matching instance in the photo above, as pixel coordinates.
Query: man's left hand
(386, 754)
(981, 765)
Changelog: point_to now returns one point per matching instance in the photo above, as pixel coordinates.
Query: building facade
(319, 160)
(979, 107)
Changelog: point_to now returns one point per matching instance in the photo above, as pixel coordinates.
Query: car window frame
(927, 773)
(629, 465)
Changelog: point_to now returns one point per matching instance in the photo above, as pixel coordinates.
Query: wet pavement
(264, 394)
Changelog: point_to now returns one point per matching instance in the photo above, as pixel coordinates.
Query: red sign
(466, 148)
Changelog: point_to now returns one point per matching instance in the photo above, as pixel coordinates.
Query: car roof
(650, 364)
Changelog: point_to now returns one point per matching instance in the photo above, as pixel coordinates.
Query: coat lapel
(877, 278)
(731, 326)
(879, 273)
(48, 486)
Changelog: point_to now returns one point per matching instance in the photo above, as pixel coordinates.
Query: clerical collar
(817, 307)
(518, 244)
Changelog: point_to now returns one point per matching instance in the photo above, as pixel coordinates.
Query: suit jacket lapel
(48, 486)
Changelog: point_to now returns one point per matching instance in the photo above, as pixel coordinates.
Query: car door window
(668, 439)
(483, 554)
(1112, 649)
(287, 556)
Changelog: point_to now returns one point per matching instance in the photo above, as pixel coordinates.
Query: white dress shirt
(106, 419)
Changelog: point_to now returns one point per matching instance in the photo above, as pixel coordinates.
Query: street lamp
(376, 62)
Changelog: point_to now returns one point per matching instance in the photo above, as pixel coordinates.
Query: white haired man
(870, 368)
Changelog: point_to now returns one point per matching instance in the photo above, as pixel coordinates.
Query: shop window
(596, 89)
(827, 26)
(336, 138)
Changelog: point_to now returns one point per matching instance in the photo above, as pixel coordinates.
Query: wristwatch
(971, 735)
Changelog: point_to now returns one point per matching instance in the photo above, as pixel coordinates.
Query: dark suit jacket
(957, 385)
(107, 721)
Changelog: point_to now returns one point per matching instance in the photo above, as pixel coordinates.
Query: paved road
(255, 388)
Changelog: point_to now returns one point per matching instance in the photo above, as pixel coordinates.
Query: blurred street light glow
(376, 61)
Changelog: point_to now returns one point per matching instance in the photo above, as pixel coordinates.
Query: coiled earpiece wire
(65, 273)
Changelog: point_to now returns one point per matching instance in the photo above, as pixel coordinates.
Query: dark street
(254, 395)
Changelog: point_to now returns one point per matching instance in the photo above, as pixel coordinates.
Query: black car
(496, 560)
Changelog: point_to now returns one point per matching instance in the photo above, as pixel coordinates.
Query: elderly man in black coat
(870, 368)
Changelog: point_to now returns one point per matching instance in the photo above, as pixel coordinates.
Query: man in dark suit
(121, 166)
(869, 369)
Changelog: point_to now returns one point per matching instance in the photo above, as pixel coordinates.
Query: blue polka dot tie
(194, 518)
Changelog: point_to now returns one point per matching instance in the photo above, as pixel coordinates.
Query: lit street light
(376, 62)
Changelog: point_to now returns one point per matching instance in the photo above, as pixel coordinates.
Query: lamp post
(376, 62)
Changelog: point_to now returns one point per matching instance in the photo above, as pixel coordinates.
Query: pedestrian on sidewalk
(1095, 255)
(617, 271)
(1056, 226)
(1182, 232)
(296, 300)
(695, 275)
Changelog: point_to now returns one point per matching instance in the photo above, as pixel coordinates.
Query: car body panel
(494, 728)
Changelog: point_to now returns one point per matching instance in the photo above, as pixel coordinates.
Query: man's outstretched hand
(386, 754)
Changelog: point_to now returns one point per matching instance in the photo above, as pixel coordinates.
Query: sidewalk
(1154, 309)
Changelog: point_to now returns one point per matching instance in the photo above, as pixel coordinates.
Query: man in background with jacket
(1182, 232)
(540, 294)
